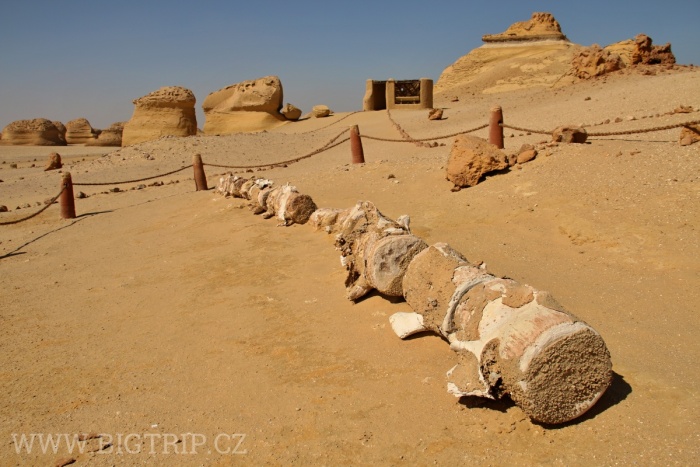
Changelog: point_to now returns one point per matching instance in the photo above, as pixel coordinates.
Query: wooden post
(495, 128)
(358, 155)
(66, 199)
(200, 178)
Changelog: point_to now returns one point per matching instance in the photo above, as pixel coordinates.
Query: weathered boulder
(248, 106)
(690, 135)
(471, 158)
(79, 131)
(112, 136)
(320, 111)
(54, 162)
(36, 132)
(169, 111)
(570, 134)
(541, 26)
(526, 153)
(291, 112)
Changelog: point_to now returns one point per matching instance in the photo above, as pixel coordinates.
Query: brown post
(358, 155)
(66, 199)
(495, 128)
(200, 179)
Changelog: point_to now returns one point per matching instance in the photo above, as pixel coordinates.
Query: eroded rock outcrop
(541, 26)
(471, 158)
(111, 136)
(35, 132)
(169, 111)
(79, 131)
(248, 106)
(595, 61)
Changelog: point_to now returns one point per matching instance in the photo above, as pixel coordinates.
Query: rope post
(200, 178)
(66, 200)
(495, 128)
(358, 155)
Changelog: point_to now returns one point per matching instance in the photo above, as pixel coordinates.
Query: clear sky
(75, 58)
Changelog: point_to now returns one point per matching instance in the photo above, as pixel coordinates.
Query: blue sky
(70, 59)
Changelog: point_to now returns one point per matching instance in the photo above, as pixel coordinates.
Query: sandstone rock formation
(471, 158)
(291, 112)
(36, 132)
(252, 105)
(169, 111)
(112, 136)
(528, 54)
(79, 131)
(595, 61)
(541, 26)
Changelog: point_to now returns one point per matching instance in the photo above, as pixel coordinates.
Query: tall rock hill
(536, 53)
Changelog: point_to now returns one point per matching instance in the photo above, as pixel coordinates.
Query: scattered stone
(140, 187)
(683, 109)
(13, 165)
(689, 135)
(570, 134)
(54, 162)
(81, 195)
(527, 156)
(435, 114)
(116, 189)
(48, 201)
(3, 208)
(65, 461)
(470, 158)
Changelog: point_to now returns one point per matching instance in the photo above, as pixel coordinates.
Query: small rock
(588, 98)
(66, 461)
(570, 134)
(116, 189)
(141, 187)
(618, 120)
(54, 162)
(390, 176)
(48, 201)
(527, 156)
(3, 208)
(435, 114)
(81, 195)
(13, 166)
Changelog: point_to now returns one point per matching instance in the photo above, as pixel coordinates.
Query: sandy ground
(188, 331)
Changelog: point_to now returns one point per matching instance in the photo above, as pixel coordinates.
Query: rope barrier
(53, 200)
(134, 181)
(330, 144)
(610, 133)
(330, 124)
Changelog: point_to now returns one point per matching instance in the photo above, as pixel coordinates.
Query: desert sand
(188, 331)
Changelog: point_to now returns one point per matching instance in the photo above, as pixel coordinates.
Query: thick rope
(53, 200)
(610, 133)
(134, 181)
(330, 144)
